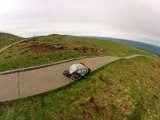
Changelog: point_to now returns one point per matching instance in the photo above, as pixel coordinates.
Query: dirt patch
(99, 108)
(7, 57)
(155, 65)
(43, 48)
(124, 105)
(89, 49)
(95, 105)
(155, 97)
(81, 92)
(87, 115)
(34, 103)
(92, 104)
(152, 79)
(36, 47)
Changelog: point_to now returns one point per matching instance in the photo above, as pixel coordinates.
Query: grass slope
(126, 89)
(7, 39)
(53, 48)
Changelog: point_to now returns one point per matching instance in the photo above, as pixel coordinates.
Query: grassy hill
(140, 45)
(122, 90)
(7, 39)
(53, 48)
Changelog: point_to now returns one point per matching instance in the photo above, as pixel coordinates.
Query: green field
(7, 39)
(122, 90)
(53, 48)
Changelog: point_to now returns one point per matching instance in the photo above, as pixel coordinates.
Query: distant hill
(7, 39)
(151, 48)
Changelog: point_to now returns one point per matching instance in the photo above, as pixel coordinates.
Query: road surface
(32, 82)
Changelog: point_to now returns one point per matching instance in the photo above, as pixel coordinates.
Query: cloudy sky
(130, 19)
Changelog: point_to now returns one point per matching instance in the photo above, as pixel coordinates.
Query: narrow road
(15, 43)
(22, 83)
(28, 83)
(6, 47)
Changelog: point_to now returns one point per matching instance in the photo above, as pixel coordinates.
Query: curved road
(15, 43)
(6, 47)
(21, 84)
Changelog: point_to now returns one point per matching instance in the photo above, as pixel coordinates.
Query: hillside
(125, 89)
(53, 48)
(7, 39)
(144, 46)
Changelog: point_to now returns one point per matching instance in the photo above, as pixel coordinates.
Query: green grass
(53, 48)
(7, 39)
(126, 89)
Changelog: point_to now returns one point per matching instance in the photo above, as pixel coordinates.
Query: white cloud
(132, 19)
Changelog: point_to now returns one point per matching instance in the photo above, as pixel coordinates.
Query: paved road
(15, 43)
(6, 47)
(20, 84)
(28, 83)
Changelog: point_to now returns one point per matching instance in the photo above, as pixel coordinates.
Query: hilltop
(53, 48)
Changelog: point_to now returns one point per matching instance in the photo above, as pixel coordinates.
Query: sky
(129, 19)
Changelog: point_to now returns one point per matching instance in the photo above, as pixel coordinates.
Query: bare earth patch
(156, 67)
(89, 49)
(42, 48)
